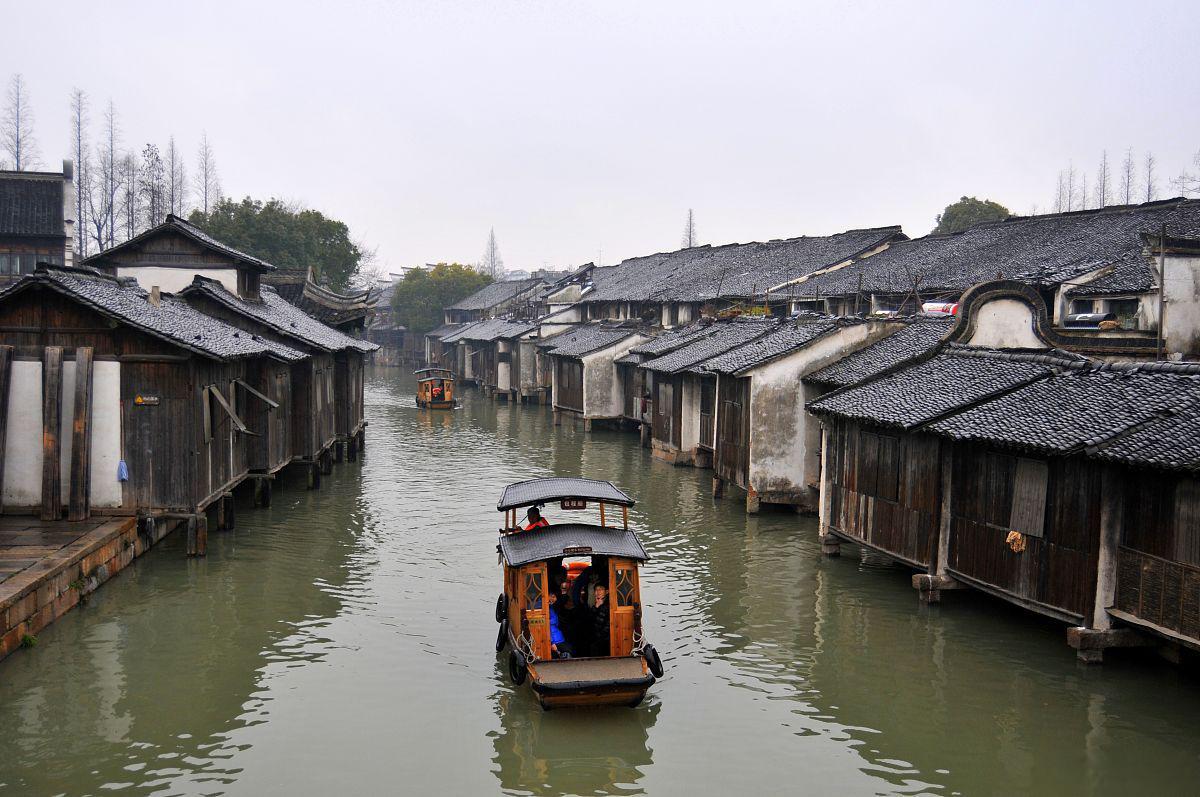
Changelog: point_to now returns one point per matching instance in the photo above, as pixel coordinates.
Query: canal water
(341, 642)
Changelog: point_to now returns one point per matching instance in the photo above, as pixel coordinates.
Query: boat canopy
(433, 372)
(569, 539)
(541, 491)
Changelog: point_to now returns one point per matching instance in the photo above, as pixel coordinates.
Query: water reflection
(342, 642)
(569, 752)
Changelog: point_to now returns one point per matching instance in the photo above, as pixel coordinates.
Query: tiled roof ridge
(190, 230)
(1055, 357)
(90, 273)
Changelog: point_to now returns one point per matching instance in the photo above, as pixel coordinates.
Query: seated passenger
(535, 519)
(599, 612)
(560, 648)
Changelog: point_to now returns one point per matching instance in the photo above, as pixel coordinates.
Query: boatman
(535, 519)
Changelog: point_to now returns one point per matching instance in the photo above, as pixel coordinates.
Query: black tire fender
(502, 637)
(517, 670)
(653, 661)
(501, 607)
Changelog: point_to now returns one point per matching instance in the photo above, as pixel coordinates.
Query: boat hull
(436, 405)
(618, 681)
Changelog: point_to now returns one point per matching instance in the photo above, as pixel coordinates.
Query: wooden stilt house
(159, 405)
(584, 374)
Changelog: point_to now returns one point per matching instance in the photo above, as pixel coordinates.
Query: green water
(341, 642)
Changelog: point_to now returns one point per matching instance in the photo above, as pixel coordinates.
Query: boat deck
(560, 671)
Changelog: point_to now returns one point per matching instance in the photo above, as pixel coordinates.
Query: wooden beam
(245, 386)
(6, 358)
(224, 404)
(52, 364)
(79, 502)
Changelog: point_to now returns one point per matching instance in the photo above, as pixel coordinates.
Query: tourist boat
(613, 671)
(435, 388)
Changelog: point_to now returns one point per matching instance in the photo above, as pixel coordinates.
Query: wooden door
(535, 617)
(624, 601)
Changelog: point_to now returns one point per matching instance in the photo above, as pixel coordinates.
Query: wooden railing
(1160, 591)
(706, 430)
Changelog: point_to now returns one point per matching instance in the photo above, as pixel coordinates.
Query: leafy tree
(286, 236)
(420, 297)
(967, 212)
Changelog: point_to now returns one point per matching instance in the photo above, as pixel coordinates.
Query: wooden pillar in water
(337, 451)
(314, 475)
(230, 511)
(52, 363)
(197, 534)
(79, 503)
(352, 448)
(830, 546)
(718, 487)
(265, 498)
(6, 357)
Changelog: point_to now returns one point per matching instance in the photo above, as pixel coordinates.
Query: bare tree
(1060, 193)
(1083, 191)
(176, 179)
(152, 187)
(1151, 182)
(492, 264)
(208, 186)
(113, 169)
(1128, 178)
(79, 143)
(689, 231)
(16, 129)
(1103, 182)
(129, 194)
(1072, 188)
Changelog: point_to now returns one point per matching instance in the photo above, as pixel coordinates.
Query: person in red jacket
(535, 519)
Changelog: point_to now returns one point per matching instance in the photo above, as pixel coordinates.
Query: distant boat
(572, 561)
(435, 388)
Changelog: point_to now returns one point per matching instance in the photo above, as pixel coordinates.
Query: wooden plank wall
(731, 460)
(886, 489)
(570, 384)
(662, 423)
(6, 358)
(1158, 570)
(52, 374)
(79, 503)
(1057, 569)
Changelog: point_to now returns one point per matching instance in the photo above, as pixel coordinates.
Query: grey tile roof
(1133, 276)
(31, 204)
(1042, 250)
(791, 336)
(537, 491)
(284, 318)
(172, 320)
(443, 331)
(1120, 412)
(551, 542)
(1170, 442)
(456, 335)
(497, 329)
(733, 270)
(189, 230)
(914, 340)
(496, 294)
(584, 340)
(724, 335)
(674, 338)
(952, 380)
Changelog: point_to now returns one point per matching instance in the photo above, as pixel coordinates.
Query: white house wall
(601, 389)
(1005, 324)
(784, 439)
(173, 280)
(23, 444)
(1181, 324)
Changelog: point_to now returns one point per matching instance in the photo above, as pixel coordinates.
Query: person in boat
(534, 519)
(437, 392)
(583, 590)
(599, 615)
(560, 648)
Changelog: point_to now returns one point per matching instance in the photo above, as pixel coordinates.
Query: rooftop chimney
(155, 296)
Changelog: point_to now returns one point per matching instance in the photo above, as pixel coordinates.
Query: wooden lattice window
(533, 589)
(626, 586)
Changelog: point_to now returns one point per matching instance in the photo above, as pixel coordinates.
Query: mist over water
(342, 642)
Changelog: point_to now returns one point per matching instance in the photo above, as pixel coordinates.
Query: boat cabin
(571, 607)
(435, 388)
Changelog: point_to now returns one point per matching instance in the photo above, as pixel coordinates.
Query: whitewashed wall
(172, 280)
(1005, 324)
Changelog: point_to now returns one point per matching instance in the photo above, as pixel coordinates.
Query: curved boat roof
(540, 491)
(433, 370)
(570, 539)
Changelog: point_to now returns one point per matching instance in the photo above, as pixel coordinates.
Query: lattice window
(625, 586)
(533, 590)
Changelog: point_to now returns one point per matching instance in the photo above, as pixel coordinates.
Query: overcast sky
(579, 128)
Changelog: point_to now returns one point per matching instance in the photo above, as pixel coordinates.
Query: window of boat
(625, 587)
(533, 589)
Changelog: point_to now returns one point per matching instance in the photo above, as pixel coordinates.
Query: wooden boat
(538, 561)
(435, 388)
